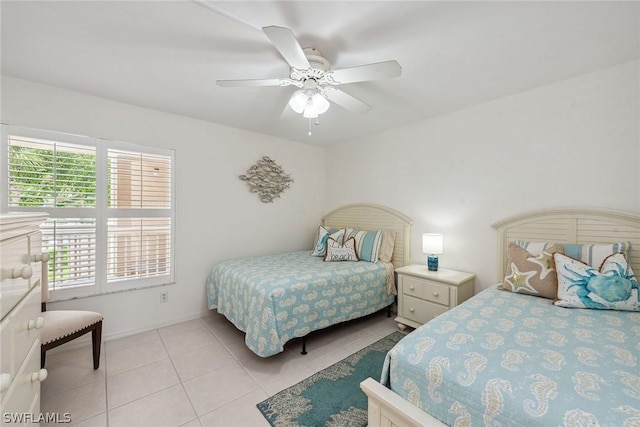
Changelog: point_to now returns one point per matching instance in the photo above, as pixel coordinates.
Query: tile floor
(196, 373)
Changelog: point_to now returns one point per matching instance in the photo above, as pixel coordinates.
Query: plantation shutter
(51, 174)
(139, 238)
(110, 205)
(58, 176)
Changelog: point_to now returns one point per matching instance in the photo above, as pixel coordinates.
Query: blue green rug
(331, 397)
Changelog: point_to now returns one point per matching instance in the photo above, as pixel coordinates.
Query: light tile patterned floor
(196, 373)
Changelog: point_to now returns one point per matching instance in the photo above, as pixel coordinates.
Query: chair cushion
(61, 323)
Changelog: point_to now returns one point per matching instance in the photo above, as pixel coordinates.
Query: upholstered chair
(62, 326)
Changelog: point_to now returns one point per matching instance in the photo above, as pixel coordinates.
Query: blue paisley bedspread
(280, 297)
(508, 359)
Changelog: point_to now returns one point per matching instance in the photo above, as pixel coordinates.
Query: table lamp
(432, 246)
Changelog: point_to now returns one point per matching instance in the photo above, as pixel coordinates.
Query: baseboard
(85, 340)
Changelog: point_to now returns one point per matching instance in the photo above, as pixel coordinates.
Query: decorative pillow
(614, 287)
(388, 243)
(593, 254)
(341, 252)
(367, 243)
(535, 248)
(531, 275)
(320, 245)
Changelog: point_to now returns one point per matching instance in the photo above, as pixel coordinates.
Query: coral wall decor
(267, 178)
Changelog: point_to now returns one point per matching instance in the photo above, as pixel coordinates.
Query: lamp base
(432, 263)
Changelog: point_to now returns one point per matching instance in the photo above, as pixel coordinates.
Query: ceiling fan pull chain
(309, 127)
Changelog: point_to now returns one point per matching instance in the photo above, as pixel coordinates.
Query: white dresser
(20, 280)
(424, 294)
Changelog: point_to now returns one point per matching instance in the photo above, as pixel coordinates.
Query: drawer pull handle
(39, 376)
(23, 273)
(5, 382)
(44, 257)
(35, 323)
(412, 288)
(435, 294)
(412, 309)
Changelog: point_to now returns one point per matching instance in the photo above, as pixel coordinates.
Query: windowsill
(55, 296)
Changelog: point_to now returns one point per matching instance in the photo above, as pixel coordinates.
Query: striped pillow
(592, 254)
(367, 243)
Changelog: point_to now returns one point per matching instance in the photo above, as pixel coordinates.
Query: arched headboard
(570, 226)
(367, 216)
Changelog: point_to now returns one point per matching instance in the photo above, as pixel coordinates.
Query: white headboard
(366, 216)
(570, 226)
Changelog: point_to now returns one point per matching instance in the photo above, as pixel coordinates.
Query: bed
(277, 298)
(504, 358)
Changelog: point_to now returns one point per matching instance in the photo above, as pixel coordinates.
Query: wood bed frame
(387, 409)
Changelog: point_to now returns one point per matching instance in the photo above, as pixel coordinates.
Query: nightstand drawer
(412, 286)
(435, 292)
(421, 311)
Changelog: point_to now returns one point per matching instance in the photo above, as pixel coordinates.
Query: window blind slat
(70, 243)
(139, 180)
(55, 174)
(138, 247)
(50, 174)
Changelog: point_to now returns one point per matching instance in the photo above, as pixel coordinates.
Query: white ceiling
(167, 55)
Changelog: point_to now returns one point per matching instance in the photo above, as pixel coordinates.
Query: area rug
(331, 397)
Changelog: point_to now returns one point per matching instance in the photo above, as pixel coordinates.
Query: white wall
(575, 143)
(217, 217)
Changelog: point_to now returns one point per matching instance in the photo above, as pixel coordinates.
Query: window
(110, 205)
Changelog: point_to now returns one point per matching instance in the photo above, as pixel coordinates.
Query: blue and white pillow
(613, 287)
(592, 254)
(367, 243)
(320, 244)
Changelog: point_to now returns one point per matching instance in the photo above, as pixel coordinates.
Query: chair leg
(96, 338)
(42, 355)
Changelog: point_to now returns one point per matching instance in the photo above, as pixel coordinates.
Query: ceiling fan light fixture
(298, 101)
(310, 111)
(320, 102)
(308, 102)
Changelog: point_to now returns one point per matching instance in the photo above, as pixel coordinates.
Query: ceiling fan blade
(345, 100)
(361, 73)
(286, 43)
(251, 82)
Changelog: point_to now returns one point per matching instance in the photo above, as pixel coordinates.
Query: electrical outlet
(164, 296)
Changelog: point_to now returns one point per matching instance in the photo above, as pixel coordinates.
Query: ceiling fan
(312, 74)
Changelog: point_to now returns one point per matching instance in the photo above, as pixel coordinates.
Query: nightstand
(424, 294)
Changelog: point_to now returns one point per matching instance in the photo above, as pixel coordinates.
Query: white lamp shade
(308, 102)
(320, 102)
(432, 243)
(310, 111)
(298, 101)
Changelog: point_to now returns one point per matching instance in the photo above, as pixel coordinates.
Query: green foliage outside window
(46, 178)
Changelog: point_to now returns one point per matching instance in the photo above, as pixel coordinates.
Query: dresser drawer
(24, 394)
(15, 273)
(421, 311)
(18, 332)
(435, 292)
(25, 326)
(412, 286)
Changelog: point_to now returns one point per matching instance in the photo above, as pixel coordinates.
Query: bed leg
(389, 310)
(304, 345)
